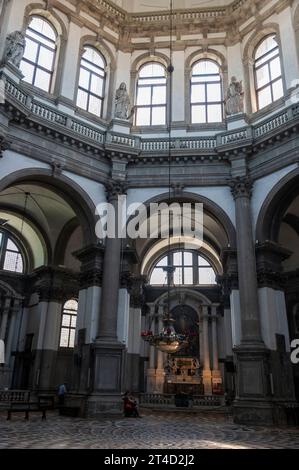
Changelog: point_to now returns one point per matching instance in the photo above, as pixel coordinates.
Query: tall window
(206, 93)
(151, 96)
(39, 58)
(10, 255)
(189, 268)
(267, 70)
(92, 82)
(68, 324)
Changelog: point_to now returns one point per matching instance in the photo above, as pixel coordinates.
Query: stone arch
(210, 207)
(275, 205)
(76, 197)
(248, 62)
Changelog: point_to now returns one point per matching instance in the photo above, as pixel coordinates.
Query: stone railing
(163, 400)
(96, 136)
(42, 111)
(236, 136)
(271, 124)
(87, 131)
(15, 92)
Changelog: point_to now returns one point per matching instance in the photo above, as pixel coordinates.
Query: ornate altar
(183, 374)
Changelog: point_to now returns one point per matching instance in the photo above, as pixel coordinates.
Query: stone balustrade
(32, 108)
(163, 400)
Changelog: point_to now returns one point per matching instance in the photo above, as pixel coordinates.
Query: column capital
(241, 187)
(115, 188)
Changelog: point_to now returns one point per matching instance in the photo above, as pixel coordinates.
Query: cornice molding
(103, 15)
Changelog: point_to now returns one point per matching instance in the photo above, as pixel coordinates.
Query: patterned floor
(153, 431)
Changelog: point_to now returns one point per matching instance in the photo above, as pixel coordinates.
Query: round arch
(210, 208)
(77, 199)
(275, 205)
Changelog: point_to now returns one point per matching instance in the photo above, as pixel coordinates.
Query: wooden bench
(18, 401)
(27, 408)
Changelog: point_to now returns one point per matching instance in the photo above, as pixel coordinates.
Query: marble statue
(122, 103)
(14, 48)
(234, 100)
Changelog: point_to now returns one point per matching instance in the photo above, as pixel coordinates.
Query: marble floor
(158, 430)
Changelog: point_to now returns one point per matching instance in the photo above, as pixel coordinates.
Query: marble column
(107, 330)
(247, 275)
(253, 401)
(207, 376)
(110, 354)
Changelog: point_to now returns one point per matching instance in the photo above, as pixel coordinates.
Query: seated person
(130, 406)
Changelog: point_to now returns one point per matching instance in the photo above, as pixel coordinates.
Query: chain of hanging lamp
(168, 340)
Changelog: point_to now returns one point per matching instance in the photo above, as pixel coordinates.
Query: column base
(253, 412)
(207, 382)
(99, 405)
(109, 366)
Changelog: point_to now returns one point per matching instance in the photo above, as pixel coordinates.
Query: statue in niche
(234, 101)
(14, 48)
(122, 103)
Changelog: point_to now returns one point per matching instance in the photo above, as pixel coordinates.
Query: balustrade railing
(271, 124)
(148, 146)
(164, 400)
(49, 114)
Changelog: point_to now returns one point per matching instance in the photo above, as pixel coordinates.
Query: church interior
(182, 102)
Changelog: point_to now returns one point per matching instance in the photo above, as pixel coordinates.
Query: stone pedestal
(109, 359)
(236, 121)
(253, 402)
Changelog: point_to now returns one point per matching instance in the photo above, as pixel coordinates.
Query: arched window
(68, 324)
(267, 72)
(11, 258)
(189, 268)
(38, 62)
(92, 78)
(206, 93)
(151, 95)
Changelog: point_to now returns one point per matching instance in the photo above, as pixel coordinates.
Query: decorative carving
(115, 189)
(14, 48)
(268, 278)
(122, 103)
(234, 102)
(57, 168)
(241, 187)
